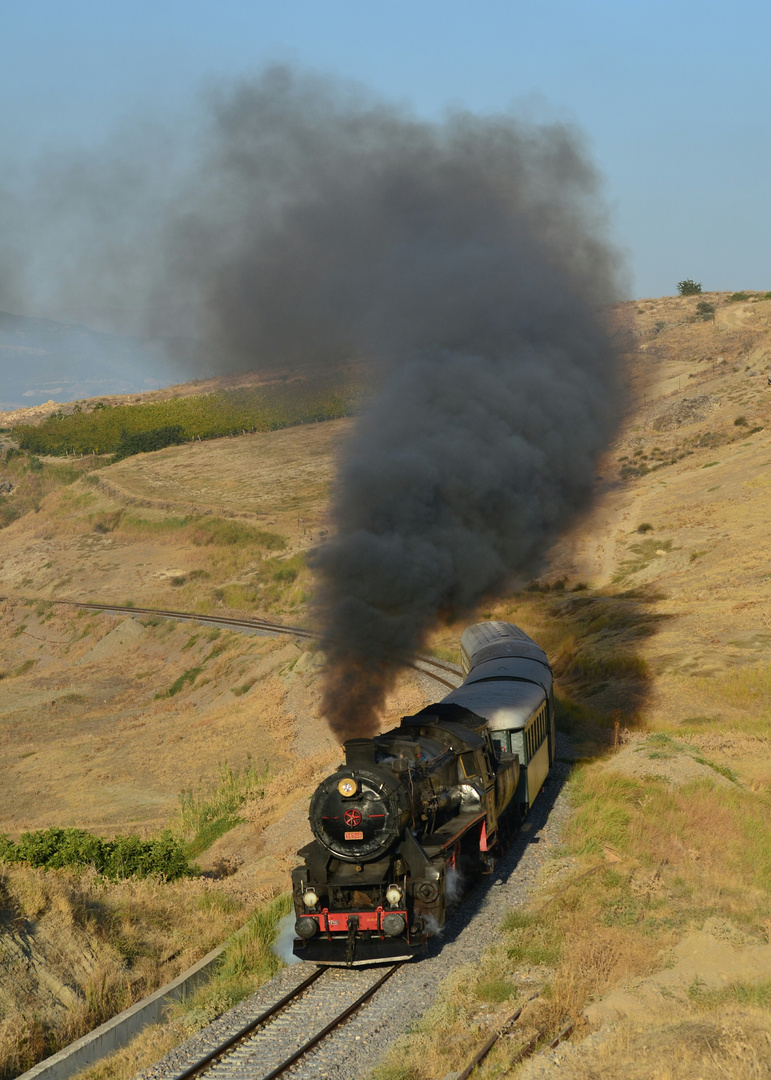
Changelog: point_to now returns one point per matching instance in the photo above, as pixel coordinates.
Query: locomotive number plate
(354, 836)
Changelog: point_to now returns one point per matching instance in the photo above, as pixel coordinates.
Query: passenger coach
(509, 682)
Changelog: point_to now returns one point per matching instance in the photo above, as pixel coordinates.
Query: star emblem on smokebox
(352, 817)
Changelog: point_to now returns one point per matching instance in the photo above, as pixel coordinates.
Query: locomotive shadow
(471, 904)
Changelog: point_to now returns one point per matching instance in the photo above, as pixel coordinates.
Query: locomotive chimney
(359, 753)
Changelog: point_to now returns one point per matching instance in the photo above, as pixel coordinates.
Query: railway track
(286, 1032)
(190, 616)
(429, 667)
(436, 665)
(357, 1044)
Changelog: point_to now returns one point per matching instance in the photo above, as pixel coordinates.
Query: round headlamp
(393, 894)
(310, 899)
(347, 787)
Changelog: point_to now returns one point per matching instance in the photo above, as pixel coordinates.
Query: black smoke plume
(463, 262)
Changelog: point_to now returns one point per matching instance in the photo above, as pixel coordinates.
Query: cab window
(469, 764)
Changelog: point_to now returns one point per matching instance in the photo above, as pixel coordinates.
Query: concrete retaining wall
(115, 1033)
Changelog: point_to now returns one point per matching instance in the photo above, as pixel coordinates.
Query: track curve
(264, 625)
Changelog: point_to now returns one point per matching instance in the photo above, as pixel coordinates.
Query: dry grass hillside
(682, 526)
(118, 724)
(655, 610)
(147, 707)
(208, 527)
(652, 929)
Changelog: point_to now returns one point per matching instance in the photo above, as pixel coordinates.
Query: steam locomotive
(417, 814)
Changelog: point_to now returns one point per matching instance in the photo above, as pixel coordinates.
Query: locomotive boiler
(415, 815)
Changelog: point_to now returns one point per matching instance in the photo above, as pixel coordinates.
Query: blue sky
(673, 97)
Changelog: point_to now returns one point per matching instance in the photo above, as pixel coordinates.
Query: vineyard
(123, 430)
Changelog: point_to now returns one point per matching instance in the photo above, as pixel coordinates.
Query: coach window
(501, 741)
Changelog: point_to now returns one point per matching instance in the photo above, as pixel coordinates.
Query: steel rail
(288, 1062)
(249, 624)
(190, 616)
(454, 669)
(490, 1043)
(436, 678)
(243, 1033)
(247, 1029)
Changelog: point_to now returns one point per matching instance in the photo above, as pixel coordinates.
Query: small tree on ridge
(689, 287)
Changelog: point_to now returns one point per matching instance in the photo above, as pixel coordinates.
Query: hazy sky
(672, 97)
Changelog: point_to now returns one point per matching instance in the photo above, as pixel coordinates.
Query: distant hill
(41, 359)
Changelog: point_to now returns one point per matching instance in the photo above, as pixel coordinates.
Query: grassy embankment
(228, 563)
(108, 942)
(215, 551)
(33, 479)
(668, 852)
(247, 963)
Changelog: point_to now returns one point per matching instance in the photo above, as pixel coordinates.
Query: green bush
(737, 296)
(705, 311)
(122, 857)
(689, 287)
(285, 573)
(165, 856)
